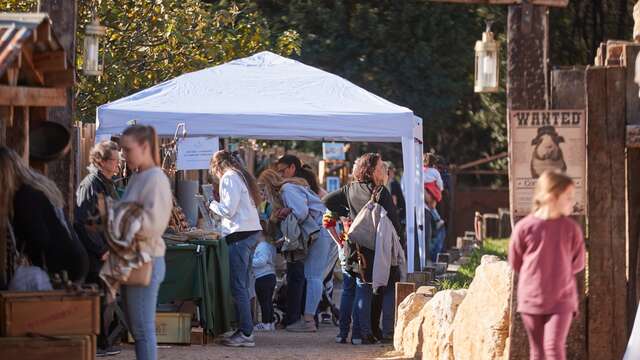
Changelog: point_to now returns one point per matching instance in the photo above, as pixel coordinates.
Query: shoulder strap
(376, 193)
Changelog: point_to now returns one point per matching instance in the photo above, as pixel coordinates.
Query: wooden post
(633, 184)
(403, 289)
(527, 84)
(568, 92)
(63, 16)
(607, 315)
(18, 134)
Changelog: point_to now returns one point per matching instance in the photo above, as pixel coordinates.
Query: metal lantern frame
(487, 49)
(93, 63)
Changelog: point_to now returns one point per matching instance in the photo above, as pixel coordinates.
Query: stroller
(326, 305)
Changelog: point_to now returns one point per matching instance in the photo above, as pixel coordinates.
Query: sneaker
(101, 353)
(113, 350)
(370, 340)
(356, 341)
(325, 318)
(240, 340)
(303, 326)
(341, 339)
(263, 327)
(230, 333)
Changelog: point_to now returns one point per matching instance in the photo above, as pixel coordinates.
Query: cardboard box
(55, 312)
(172, 328)
(67, 347)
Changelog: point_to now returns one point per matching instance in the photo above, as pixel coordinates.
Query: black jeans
(264, 291)
(379, 305)
(295, 291)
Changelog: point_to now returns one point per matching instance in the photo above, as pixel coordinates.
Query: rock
(437, 326)
(481, 326)
(427, 290)
(408, 311)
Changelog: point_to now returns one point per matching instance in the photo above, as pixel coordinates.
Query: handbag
(26, 277)
(363, 230)
(140, 276)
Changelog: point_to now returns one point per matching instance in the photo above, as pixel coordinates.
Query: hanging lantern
(487, 73)
(92, 65)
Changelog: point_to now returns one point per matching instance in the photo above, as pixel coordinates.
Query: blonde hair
(103, 151)
(273, 182)
(145, 134)
(551, 184)
(16, 173)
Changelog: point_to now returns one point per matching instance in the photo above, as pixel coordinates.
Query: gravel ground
(280, 345)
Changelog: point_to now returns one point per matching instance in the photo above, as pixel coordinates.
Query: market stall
(267, 96)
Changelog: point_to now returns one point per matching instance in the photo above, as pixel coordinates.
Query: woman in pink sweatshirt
(547, 250)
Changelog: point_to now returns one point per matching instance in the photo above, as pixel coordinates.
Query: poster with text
(544, 140)
(194, 153)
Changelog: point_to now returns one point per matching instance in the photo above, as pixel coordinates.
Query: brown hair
(224, 160)
(145, 134)
(302, 171)
(103, 151)
(273, 183)
(551, 184)
(365, 166)
(15, 173)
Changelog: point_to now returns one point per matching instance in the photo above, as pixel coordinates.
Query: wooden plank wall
(568, 92)
(607, 315)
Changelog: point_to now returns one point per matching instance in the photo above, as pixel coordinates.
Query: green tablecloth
(199, 270)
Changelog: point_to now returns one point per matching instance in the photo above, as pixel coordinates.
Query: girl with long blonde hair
(34, 205)
(547, 251)
(293, 196)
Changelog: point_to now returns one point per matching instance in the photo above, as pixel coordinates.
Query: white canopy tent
(267, 96)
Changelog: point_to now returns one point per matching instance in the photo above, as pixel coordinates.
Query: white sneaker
(264, 327)
(240, 340)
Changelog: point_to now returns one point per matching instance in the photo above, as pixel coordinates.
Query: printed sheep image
(547, 154)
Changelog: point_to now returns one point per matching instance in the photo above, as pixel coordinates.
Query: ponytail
(145, 134)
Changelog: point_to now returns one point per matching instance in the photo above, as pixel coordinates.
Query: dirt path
(280, 345)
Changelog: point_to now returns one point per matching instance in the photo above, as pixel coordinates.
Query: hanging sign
(333, 183)
(194, 153)
(333, 151)
(543, 140)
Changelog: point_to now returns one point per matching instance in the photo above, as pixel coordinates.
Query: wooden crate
(172, 328)
(49, 313)
(68, 347)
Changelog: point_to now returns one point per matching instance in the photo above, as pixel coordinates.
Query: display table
(199, 270)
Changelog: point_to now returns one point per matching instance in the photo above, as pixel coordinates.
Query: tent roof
(264, 96)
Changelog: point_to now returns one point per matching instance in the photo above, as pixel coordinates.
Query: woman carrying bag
(239, 198)
(149, 188)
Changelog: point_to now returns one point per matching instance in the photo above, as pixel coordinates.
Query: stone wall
(459, 324)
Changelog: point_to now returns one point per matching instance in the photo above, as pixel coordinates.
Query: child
(547, 250)
(265, 274)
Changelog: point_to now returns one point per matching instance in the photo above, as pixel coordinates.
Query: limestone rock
(427, 290)
(481, 326)
(408, 311)
(437, 326)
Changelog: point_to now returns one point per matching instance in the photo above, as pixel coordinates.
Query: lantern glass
(487, 64)
(92, 65)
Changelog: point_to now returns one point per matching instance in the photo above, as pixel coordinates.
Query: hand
(283, 213)
(105, 256)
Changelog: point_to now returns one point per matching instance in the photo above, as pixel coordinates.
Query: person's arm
(516, 249)
(294, 199)
(337, 202)
(157, 203)
(261, 256)
(577, 262)
(230, 194)
(392, 212)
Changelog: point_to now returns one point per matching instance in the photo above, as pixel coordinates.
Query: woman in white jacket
(239, 197)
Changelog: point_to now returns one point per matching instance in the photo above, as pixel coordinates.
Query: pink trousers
(547, 335)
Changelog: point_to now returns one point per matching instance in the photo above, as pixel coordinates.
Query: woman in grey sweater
(149, 186)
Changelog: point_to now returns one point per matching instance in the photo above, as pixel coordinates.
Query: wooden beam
(43, 33)
(568, 92)
(51, 61)
(607, 315)
(60, 79)
(487, 159)
(18, 134)
(32, 96)
(33, 73)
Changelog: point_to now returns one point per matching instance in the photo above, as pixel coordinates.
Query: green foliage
(148, 42)
(462, 280)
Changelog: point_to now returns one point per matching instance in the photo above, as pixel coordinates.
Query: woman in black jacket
(369, 176)
(34, 206)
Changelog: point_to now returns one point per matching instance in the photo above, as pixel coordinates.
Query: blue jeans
(240, 260)
(346, 305)
(140, 305)
(362, 318)
(314, 266)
